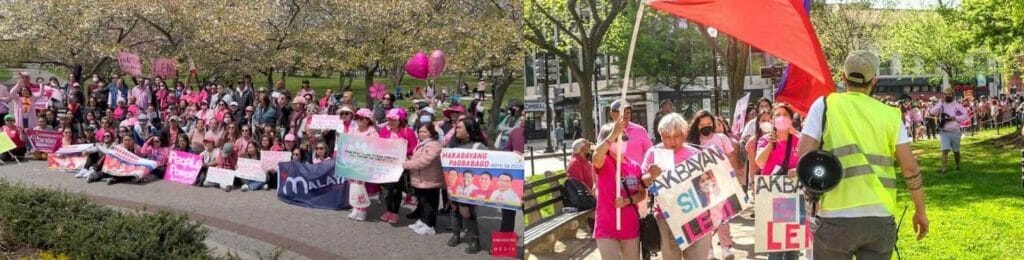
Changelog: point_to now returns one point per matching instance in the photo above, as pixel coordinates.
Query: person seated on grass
(252, 151)
(157, 148)
(225, 159)
(94, 158)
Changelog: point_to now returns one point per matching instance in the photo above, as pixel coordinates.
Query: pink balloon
(436, 66)
(417, 65)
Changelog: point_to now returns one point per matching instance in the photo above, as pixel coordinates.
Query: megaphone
(819, 171)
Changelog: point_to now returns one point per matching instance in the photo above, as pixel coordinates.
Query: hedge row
(69, 224)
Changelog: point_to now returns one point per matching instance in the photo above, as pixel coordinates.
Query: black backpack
(575, 194)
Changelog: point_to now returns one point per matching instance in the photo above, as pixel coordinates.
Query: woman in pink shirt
(702, 134)
(358, 195)
(672, 128)
(611, 242)
(157, 148)
(772, 148)
(397, 127)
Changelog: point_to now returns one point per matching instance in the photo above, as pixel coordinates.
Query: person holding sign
(425, 177)
(855, 218)
(358, 196)
(252, 151)
(672, 128)
(615, 243)
(468, 135)
(397, 127)
(157, 148)
(16, 134)
(702, 134)
(777, 155)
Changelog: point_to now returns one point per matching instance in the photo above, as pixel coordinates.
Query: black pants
(94, 161)
(508, 220)
(427, 207)
(393, 199)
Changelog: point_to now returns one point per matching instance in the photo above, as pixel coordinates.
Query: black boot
(473, 235)
(456, 229)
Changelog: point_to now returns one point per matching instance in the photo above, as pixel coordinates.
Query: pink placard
(326, 122)
(183, 167)
(129, 62)
(44, 141)
(164, 67)
(269, 160)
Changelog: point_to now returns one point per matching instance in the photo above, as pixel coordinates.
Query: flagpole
(625, 84)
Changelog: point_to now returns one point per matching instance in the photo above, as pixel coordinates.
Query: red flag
(778, 27)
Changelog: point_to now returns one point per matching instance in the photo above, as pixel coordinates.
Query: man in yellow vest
(855, 218)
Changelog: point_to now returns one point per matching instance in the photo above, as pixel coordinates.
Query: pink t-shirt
(718, 140)
(638, 144)
(604, 213)
(778, 153)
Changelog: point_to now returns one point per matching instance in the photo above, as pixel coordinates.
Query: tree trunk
(395, 74)
(500, 86)
(368, 80)
(284, 74)
(736, 70)
(587, 107)
(270, 78)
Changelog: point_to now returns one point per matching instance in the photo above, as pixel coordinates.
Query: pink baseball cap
(299, 100)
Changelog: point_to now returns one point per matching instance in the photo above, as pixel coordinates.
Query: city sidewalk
(584, 247)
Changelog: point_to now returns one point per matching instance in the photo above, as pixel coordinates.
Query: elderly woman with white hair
(673, 130)
(580, 168)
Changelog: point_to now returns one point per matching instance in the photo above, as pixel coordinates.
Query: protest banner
(780, 222)
(163, 67)
(220, 175)
(698, 195)
(486, 178)
(369, 159)
(269, 160)
(6, 144)
(121, 162)
(739, 115)
(43, 140)
(250, 169)
(312, 185)
(326, 122)
(183, 167)
(69, 157)
(66, 163)
(503, 244)
(129, 63)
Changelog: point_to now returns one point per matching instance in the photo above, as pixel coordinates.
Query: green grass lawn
(975, 213)
(5, 75)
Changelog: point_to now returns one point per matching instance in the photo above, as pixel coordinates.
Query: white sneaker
(352, 215)
(245, 187)
(361, 215)
(727, 253)
(417, 225)
(79, 173)
(425, 230)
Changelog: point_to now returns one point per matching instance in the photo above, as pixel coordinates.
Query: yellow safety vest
(862, 133)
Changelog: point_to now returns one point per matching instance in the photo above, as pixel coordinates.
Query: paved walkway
(583, 246)
(258, 219)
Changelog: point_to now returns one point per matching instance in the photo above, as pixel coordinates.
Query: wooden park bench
(543, 231)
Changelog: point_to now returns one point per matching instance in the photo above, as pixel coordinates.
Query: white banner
(781, 215)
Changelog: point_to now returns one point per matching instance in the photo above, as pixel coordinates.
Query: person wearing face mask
(673, 135)
(950, 113)
(615, 243)
(777, 155)
(702, 134)
(637, 134)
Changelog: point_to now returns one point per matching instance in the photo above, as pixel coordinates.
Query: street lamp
(714, 72)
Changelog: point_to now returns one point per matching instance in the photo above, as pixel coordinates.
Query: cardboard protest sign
(781, 222)
(503, 244)
(129, 63)
(698, 195)
(75, 149)
(220, 175)
(269, 160)
(41, 104)
(121, 162)
(326, 122)
(6, 144)
(312, 185)
(369, 159)
(486, 178)
(250, 169)
(739, 115)
(163, 67)
(183, 167)
(43, 140)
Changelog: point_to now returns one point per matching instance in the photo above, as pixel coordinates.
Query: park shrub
(68, 224)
